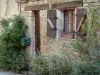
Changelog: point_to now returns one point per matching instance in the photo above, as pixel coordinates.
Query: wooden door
(37, 32)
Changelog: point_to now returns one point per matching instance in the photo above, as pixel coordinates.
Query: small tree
(12, 53)
(91, 24)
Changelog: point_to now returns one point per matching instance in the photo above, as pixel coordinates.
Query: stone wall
(47, 44)
(86, 2)
(8, 8)
(57, 45)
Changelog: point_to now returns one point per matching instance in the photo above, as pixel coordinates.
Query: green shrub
(52, 64)
(89, 61)
(12, 53)
(79, 45)
(90, 65)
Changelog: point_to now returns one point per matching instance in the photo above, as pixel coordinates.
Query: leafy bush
(52, 64)
(12, 53)
(89, 61)
(79, 45)
(90, 65)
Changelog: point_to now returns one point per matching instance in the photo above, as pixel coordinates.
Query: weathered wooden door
(37, 32)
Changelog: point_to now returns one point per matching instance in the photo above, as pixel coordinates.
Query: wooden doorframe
(37, 31)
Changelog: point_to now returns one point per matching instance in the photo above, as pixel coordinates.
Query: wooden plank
(64, 5)
(22, 1)
(82, 19)
(36, 7)
(70, 4)
(49, 21)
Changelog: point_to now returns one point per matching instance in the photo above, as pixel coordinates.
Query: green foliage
(79, 45)
(91, 24)
(52, 64)
(12, 53)
(89, 63)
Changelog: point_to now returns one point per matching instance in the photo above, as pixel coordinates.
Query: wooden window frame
(71, 15)
(69, 34)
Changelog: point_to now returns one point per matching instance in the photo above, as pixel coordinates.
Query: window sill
(68, 35)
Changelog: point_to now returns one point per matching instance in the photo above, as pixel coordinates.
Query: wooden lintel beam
(70, 4)
(37, 7)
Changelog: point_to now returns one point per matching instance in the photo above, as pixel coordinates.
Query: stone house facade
(51, 23)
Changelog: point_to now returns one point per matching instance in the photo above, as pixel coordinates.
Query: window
(69, 20)
(63, 21)
(69, 23)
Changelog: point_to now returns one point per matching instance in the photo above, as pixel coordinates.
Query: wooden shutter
(79, 16)
(79, 19)
(51, 15)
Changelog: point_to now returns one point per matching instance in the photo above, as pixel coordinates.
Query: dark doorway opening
(37, 32)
